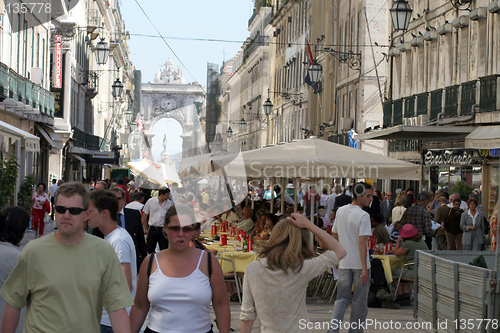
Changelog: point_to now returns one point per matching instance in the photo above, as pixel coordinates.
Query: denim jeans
(358, 299)
(106, 329)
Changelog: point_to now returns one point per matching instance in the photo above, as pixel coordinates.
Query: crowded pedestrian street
(249, 166)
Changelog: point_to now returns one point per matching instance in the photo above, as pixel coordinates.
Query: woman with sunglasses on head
(176, 285)
(287, 264)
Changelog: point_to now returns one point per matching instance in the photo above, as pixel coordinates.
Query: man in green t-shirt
(66, 278)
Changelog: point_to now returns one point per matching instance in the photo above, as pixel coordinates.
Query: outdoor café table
(389, 262)
(241, 260)
(232, 252)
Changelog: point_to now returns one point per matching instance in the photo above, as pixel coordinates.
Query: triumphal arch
(170, 97)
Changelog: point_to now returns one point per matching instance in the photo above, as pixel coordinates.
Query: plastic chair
(232, 276)
(403, 280)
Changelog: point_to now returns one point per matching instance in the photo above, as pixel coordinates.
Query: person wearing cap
(408, 243)
(131, 187)
(418, 216)
(290, 191)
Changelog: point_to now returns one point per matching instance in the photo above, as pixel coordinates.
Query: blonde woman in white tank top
(179, 288)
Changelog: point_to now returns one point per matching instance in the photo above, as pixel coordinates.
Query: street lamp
(102, 51)
(117, 88)
(243, 124)
(401, 14)
(229, 132)
(268, 106)
(314, 71)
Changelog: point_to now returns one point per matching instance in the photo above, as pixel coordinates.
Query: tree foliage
(9, 170)
(25, 194)
(462, 188)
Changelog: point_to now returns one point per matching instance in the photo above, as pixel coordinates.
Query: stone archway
(170, 97)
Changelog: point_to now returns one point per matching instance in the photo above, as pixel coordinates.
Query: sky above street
(183, 24)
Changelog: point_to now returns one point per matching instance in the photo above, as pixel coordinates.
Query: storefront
(446, 168)
(486, 141)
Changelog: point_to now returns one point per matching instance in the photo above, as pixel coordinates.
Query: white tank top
(179, 304)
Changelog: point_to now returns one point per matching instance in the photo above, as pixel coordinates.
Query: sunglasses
(177, 229)
(72, 210)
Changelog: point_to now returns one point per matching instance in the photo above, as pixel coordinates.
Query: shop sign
(489, 152)
(448, 157)
(103, 154)
(58, 63)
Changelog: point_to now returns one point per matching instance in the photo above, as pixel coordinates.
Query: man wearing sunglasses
(67, 277)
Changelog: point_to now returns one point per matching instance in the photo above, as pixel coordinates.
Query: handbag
(46, 206)
(46, 218)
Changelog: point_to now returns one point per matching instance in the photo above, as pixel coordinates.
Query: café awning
(50, 136)
(424, 133)
(484, 137)
(32, 142)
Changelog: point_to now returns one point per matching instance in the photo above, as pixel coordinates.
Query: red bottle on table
(249, 245)
(233, 232)
(214, 230)
(223, 239)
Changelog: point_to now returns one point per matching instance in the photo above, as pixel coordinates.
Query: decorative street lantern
(268, 107)
(314, 71)
(401, 14)
(102, 52)
(243, 124)
(229, 132)
(117, 88)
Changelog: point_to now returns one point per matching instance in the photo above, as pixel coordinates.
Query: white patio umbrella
(148, 171)
(169, 174)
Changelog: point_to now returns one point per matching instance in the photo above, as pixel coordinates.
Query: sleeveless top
(179, 304)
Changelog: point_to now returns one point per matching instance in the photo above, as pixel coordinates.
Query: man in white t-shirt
(153, 219)
(102, 214)
(352, 228)
(52, 193)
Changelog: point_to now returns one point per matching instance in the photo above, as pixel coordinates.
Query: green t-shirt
(65, 287)
(411, 247)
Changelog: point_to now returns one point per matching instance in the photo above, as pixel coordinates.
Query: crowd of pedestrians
(148, 240)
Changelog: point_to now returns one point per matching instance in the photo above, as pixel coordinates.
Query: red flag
(311, 59)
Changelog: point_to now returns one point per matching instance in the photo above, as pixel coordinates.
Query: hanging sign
(58, 63)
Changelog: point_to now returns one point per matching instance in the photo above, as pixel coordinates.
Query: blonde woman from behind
(287, 264)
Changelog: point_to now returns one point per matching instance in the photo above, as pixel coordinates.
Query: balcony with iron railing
(458, 99)
(398, 112)
(422, 101)
(387, 106)
(19, 88)
(93, 22)
(90, 80)
(409, 106)
(488, 99)
(436, 103)
(468, 97)
(451, 101)
(85, 140)
(259, 40)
